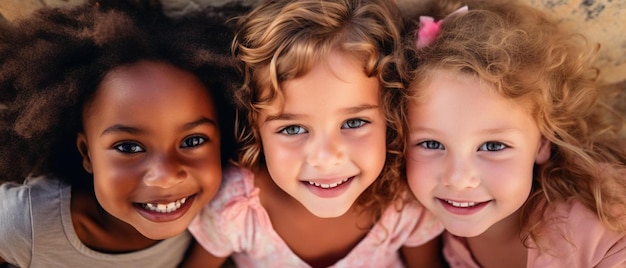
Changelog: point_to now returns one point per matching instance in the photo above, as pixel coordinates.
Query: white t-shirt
(36, 231)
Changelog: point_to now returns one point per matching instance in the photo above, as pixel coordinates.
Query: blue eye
(193, 141)
(129, 148)
(354, 123)
(292, 130)
(431, 145)
(492, 146)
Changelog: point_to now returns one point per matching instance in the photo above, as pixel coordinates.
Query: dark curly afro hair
(52, 62)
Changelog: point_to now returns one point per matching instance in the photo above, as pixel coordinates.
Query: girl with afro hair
(115, 126)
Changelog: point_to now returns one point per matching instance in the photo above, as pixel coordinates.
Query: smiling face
(152, 143)
(471, 153)
(328, 144)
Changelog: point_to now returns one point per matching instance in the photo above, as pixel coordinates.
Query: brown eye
(194, 141)
(129, 148)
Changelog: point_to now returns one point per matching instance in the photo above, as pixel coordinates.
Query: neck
(101, 231)
(501, 245)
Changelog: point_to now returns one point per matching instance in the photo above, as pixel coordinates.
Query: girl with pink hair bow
(510, 143)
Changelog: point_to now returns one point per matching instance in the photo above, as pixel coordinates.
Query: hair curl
(527, 57)
(53, 61)
(282, 40)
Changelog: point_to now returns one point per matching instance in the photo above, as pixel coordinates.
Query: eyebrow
(484, 131)
(350, 110)
(133, 130)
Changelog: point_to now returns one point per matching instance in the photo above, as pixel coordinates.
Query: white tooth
(325, 186)
(317, 184)
(333, 185)
(311, 183)
(461, 204)
(165, 208)
(345, 180)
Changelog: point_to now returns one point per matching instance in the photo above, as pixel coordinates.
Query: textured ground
(602, 21)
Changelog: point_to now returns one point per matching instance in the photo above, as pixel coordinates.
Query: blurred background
(602, 21)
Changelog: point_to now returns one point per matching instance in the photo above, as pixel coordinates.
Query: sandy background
(602, 21)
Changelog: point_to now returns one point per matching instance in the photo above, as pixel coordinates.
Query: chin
(327, 212)
(464, 231)
(157, 234)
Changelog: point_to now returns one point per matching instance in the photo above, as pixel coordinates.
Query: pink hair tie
(429, 28)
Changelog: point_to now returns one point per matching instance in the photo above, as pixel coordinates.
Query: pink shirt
(236, 223)
(574, 238)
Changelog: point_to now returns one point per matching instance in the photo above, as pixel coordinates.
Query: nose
(460, 173)
(164, 171)
(325, 150)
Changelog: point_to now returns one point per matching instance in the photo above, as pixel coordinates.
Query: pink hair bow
(429, 28)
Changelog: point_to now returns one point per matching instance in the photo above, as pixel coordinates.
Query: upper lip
(166, 200)
(461, 200)
(329, 180)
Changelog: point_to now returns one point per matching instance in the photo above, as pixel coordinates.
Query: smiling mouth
(329, 186)
(164, 208)
(462, 204)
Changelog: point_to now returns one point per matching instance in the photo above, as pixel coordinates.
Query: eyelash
(286, 130)
(501, 146)
(361, 123)
(428, 145)
(435, 145)
(125, 147)
(129, 147)
(346, 125)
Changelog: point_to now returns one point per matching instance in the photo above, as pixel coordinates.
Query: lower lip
(328, 192)
(165, 217)
(463, 211)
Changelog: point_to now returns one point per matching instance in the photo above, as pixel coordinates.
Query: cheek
(279, 154)
(420, 175)
(280, 160)
(114, 177)
(115, 180)
(510, 179)
(209, 178)
(371, 148)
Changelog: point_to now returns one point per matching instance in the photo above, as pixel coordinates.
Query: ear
(543, 153)
(81, 144)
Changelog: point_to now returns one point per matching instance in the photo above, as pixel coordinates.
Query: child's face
(328, 144)
(471, 153)
(151, 141)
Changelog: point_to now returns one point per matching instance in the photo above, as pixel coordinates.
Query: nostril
(165, 175)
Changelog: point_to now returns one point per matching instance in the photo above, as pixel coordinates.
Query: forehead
(155, 84)
(462, 102)
(338, 79)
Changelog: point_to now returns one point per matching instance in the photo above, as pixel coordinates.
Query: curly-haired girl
(114, 131)
(510, 143)
(322, 144)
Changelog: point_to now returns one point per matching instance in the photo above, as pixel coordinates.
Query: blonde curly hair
(282, 40)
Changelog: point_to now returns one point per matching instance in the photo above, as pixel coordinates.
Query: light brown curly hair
(282, 40)
(527, 57)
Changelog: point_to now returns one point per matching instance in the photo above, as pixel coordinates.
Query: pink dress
(575, 237)
(236, 224)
